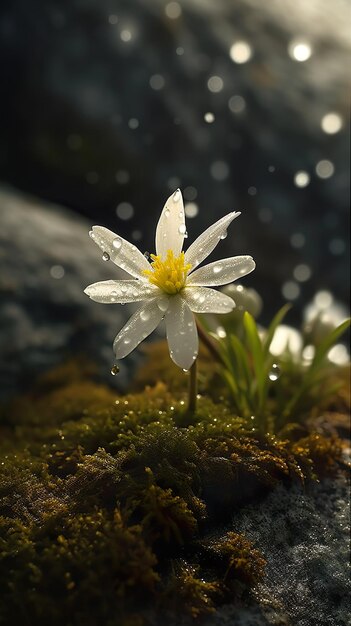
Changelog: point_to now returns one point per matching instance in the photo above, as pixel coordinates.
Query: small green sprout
(273, 390)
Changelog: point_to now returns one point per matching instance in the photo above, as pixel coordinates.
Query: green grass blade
(327, 343)
(256, 350)
(277, 319)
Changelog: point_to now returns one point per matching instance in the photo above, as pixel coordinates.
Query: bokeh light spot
(157, 82)
(215, 84)
(302, 179)
(240, 52)
(125, 211)
(173, 10)
(219, 170)
(209, 118)
(236, 104)
(325, 168)
(331, 123)
(191, 209)
(299, 50)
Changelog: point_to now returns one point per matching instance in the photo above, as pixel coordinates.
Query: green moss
(99, 492)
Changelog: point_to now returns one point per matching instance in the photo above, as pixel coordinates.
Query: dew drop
(167, 212)
(186, 235)
(224, 235)
(217, 269)
(105, 256)
(91, 234)
(117, 243)
(181, 215)
(182, 229)
(176, 195)
(126, 341)
(162, 304)
(144, 316)
(114, 370)
(274, 373)
(147, 256)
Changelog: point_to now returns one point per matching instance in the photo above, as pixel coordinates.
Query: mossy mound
(107, 502)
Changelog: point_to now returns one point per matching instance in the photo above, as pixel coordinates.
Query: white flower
(170, 287)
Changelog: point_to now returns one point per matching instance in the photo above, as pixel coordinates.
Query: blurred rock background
(109, 105)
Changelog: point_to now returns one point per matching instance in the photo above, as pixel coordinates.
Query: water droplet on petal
(224, 235)
(105, 256)
(217, 269)
(162, 304)
(91, 234)
(147, 255)
(117, 243)
(167, 212)
(274, 373)
(176, 195)
(182, 229)
(114, 370)
(126, 341)
(144, 316)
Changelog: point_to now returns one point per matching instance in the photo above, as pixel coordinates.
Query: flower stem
(193, 388)
(209, 343)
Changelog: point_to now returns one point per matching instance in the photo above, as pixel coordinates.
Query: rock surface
(46, 260)
(305, 539)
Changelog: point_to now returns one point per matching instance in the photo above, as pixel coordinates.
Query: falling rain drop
(114, 370)
(274, 373)
(105, 256)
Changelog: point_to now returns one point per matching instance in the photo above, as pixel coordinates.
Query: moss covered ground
(108, 503)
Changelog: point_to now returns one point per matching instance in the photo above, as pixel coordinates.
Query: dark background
(106, 102)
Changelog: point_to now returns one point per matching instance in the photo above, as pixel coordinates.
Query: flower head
(171, 286)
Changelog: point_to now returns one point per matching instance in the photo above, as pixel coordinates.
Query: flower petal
(205, 300)
(181, 330)
(207, 241)
(138, 327)
(171, 226)
(222, 272)
(121, 291)
(120, 251)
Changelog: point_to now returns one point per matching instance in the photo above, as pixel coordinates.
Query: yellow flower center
(169, 275)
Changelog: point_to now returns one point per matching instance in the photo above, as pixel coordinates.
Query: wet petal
(138, 327)
(120, 291)
(120, 251)
(181, 333)
(171, 226)
(222, 272)
(207, 241)
(205, 300)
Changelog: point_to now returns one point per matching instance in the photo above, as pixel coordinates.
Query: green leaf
(256, 349)
(277, 319)
(327, 343)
